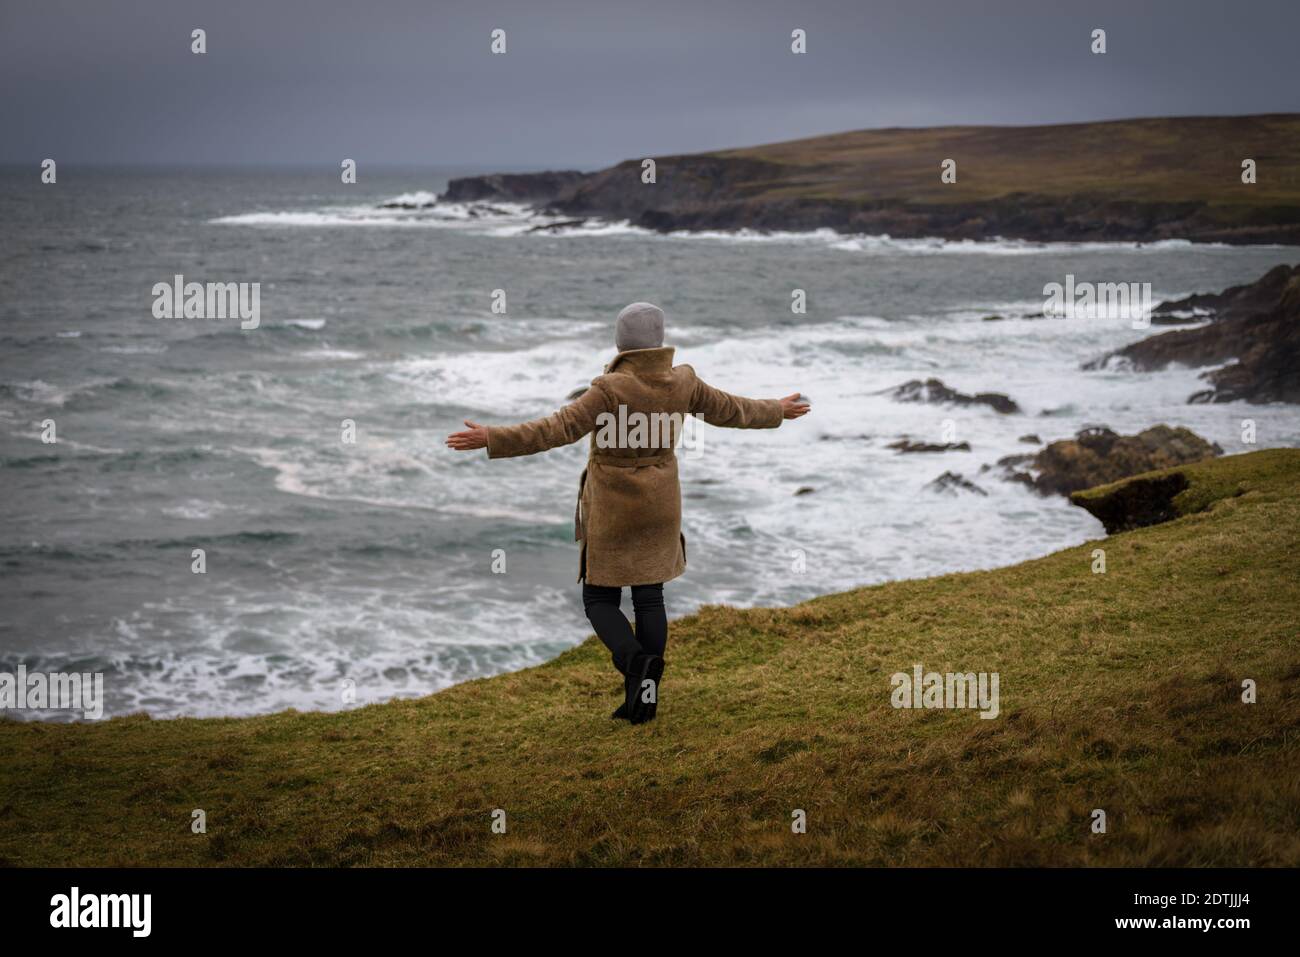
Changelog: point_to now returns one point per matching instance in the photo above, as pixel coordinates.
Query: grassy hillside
(1118, 691)
(1163, 159)
(1139, 179)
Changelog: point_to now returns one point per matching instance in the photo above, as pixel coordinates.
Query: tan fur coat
(629, 499)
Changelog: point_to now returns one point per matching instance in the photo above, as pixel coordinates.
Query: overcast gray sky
(588, 82)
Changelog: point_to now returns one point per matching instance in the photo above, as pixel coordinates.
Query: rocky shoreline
(1253, 328)
(1095, 456)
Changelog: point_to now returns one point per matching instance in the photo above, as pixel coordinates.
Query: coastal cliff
(1135, 180)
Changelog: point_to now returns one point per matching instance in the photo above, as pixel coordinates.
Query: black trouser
(601, 603)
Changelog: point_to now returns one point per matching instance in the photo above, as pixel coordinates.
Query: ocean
(340, 574)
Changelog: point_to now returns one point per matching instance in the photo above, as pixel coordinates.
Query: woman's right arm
(569, 424)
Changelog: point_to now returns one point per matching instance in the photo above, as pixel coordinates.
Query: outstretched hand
(475, 437)
(793, 406)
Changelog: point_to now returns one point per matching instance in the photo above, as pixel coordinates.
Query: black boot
(644, 667)
(657, 674)
(624, 711)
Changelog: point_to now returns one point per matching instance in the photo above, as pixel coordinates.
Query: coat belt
(619, 461)
(632, 461)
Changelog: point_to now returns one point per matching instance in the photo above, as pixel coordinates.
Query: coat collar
(644, 361)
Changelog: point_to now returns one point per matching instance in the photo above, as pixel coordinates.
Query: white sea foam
(295, 649)
(509, 220)
(64, 442)
(307, 219)
(194, 509)
(365, 476)
(327, 353)
(139, 349)
(420, 197)
(40, 392)
(473, 216)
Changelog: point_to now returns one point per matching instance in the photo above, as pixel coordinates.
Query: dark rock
(556, 227)
(1268, 358)
(1258, 325)
(577, 393)
(906, 445)
(1235, 302)
(934, 391)
(406, 205)
(953, 483)
(1097, 456)
(992, 318)
(512, 187)
(1011, 468)
(1134, 504)
(1180, 317)
(805, 490)
(1031, 438)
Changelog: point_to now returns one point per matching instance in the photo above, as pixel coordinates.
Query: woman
(629, 510)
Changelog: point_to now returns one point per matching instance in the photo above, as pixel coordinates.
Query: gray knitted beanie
(640, 326)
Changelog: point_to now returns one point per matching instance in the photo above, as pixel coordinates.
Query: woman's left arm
(569, 424)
